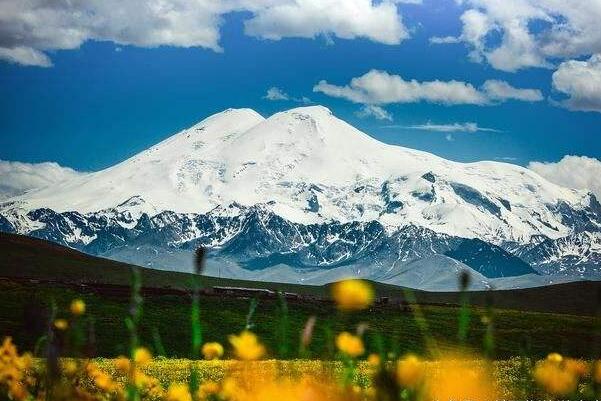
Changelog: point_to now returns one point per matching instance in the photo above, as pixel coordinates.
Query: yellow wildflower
(230, 389)
(142, 356)
(61, 324)
(78, 307)
(178, 392)
(410, 371)
(17, 391)
(555, 357)
(101, 379)
(554, 378)
(352, 294)
(212, 350)
(373, 360)
(576, 366)
(597, 372)
(247, 346)
(457, 379)
(69, 367)
(349, 344)
(122, 364)
(208, 388)
(142, 380)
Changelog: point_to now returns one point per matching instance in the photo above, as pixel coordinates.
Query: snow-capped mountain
(307, 193)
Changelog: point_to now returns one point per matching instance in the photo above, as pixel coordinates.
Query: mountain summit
(303, 176)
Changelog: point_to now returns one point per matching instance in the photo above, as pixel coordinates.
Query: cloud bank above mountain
(17, 177)
(578, 172)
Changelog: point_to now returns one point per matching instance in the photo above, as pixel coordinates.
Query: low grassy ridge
(24, 310)
(34, 275)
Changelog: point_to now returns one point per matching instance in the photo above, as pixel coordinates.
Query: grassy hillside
(36, 274)
(30, 258)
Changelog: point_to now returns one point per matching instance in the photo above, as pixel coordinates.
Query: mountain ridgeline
(304, 197)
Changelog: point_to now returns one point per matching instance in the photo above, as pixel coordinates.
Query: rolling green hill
(34, 274)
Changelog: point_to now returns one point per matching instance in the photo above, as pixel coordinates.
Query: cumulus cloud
(377, 112)
(581, 82)
(578, 172)
(347, 19)
(516, 34)
(17, 178)
(470, 127)
(501, 91)
(28, 29)
(379, 87)
(274, 93)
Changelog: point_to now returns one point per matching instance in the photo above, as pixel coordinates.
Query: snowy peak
(305, 189)
(310, 167)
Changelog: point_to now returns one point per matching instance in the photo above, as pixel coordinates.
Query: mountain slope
(305, 189)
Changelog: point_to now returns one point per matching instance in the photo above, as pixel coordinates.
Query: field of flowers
(238, 368)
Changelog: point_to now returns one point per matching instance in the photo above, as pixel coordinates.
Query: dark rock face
(471, 195)
(255, 238)
(6, 226)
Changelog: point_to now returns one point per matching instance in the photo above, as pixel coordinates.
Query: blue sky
(102, 101)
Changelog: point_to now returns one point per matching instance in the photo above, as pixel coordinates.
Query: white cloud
(377, 112)
(581, 82)
(578, 172)
(532, 32)
(380, 87)
(347, 19)
(470, 127)
(28, 29)
(441, 40)
(500, 91)
(25, 56)
(17, 178)
(274, 93)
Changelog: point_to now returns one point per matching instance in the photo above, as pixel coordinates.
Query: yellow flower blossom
(17, 391)
(122, 364)
(78, 307)
(458, 379)
(373, 360)
(554, 378)
(212, 350)
(101, 379)
(13, 369)
(229, 389)
(352, 294)
(69, 367)
(597, 372)
(208, 388)
(247, 346)
(349, 344)
(410, 371)
(61, 324)
(178, 392)
(555, 357)
(577, 367)
(142, 356)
